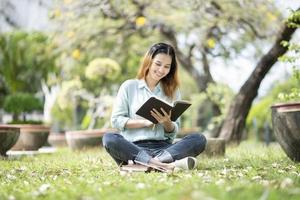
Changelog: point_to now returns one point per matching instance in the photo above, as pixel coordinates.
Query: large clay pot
(57, 139)
(82, 139)
(286, 126)
(187, 131)
(8, 137)
(32, 137)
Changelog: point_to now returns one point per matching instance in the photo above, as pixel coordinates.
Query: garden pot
(215, 147)
(82, 139)
(286, 126)
(57, 139)
(32, 137)
(8, 137)
(187, 131)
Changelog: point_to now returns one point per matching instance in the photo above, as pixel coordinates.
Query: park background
(62, 62)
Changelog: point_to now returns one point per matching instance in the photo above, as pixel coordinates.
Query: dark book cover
(177, 110)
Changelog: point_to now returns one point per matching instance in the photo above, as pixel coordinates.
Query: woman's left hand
(164, 119)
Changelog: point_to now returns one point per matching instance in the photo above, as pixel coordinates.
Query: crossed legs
(122, 150)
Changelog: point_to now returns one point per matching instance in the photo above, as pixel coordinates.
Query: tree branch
(252, 28)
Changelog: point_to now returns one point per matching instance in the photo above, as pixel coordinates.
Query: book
(179, 107)
(142, 167)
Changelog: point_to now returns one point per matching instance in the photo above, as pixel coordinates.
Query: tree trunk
(234, 122)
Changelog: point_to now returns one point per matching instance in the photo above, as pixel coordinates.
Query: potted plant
(286, 115)
(33, 134)
(8, 137)
(83, 139)
(57, 139)
(27, 59)
(286, 121)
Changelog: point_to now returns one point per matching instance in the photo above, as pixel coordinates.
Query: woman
(140, 140)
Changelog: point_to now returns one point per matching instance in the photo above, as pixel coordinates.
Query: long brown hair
(170, 82)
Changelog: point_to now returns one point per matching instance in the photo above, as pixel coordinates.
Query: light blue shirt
(131, 96)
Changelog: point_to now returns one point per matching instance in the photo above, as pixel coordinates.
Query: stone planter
(186, 131)
(83, 139)
(32, 137)
(57, 139)
(8, 137)
(215, 147)
(286, 126)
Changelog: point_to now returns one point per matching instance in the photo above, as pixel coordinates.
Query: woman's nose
(161, 69)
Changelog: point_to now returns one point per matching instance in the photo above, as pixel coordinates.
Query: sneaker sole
(191, 163)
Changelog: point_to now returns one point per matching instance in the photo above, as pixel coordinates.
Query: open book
(178, 108)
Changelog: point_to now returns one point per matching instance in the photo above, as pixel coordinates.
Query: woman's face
(160, 67)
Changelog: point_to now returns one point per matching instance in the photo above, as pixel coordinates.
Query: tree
(234, 122)
(21, 103)
(200, 31)
(6, 10)
(25, 60)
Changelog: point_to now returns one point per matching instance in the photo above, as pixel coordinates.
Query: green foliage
(101, 73)
(188, 85)
(201, 106)
(22, 102)
(63, 115)
(259, 116)
(124, 30)
(19, 103)
(199, 23)
(26, 122)
(100, 68)
(293, 55)
(25, 60)
(294, 19)
(261, 111)
(288, 91)
(292, 94)
(63, 110)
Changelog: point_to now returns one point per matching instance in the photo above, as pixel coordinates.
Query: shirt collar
(142, 84)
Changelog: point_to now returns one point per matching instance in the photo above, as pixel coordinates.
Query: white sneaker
(187, 163)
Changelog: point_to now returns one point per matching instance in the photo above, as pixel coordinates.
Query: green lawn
(249, 171)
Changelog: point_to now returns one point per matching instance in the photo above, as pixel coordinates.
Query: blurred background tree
(22, 104)
(201, 31)
(286, 91)
(235, 120)
(26, 59)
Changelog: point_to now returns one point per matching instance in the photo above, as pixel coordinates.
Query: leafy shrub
(260, 113)
(21, 103)
(202, 112)
(293, 56)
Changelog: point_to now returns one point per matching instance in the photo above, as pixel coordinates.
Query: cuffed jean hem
(143, 157)
(165, 157)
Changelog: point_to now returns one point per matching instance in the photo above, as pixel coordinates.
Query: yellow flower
(271, 16)
(67, 1)
(70, 34)
(211, 43)
(140, 21)
(57, 13)
(76, 54)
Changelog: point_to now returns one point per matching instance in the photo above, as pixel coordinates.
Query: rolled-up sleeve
(119, 116)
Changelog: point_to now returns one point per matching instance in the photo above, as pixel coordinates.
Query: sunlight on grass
(249, 171)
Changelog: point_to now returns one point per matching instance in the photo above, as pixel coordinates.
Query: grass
(249, 171)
